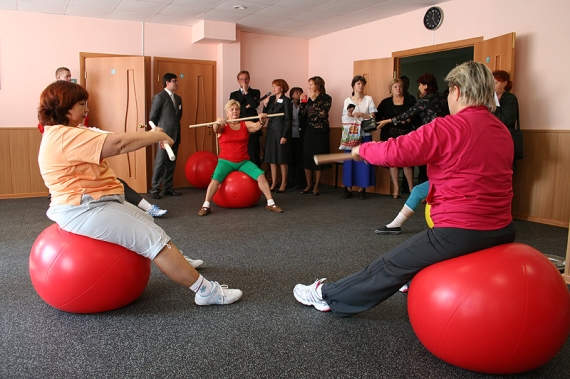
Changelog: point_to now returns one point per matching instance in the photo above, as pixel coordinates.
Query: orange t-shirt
(71, 165)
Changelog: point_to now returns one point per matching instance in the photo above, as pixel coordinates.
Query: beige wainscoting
(20, 174)
(541, 181)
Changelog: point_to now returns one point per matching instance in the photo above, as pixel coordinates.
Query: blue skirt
(359, 174)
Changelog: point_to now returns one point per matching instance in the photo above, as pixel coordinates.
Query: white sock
(144, 205)
(206, 204)
(202, 286)
(398, 221)
(270, 202)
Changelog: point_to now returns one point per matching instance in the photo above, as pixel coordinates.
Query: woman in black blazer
(277, 146)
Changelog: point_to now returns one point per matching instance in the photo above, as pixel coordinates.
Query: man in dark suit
(166, 112)
(249, 101)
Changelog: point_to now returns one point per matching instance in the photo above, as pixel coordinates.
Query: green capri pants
(225, 167)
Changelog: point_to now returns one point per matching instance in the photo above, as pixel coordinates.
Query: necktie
(172, 98)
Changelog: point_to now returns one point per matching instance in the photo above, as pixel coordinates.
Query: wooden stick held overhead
(237, 119)
(331, 158)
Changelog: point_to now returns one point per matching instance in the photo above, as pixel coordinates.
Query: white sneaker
(194, 262)
(220, 295)
(404, 289)
(155, 211)
(308, 295)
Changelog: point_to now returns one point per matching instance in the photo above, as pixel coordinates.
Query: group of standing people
(297, 129)
(396, 115)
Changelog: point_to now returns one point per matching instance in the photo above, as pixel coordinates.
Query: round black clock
(433, 18)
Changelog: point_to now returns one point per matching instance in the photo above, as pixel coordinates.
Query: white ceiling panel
(289, 18)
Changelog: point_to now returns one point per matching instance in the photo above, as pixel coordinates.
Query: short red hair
(503, 76)
(56, 101)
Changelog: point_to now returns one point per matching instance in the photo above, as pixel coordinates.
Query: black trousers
(296, 169)
(130, 194)
(382, 278)
(254, 148)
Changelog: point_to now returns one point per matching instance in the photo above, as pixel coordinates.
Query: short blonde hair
(394, 81)
(232, 102)
(476, 84)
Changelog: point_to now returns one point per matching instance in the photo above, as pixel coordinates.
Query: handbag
(517, 135)
(369, 125)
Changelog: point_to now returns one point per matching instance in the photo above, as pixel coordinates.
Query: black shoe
(155, 195)
(362, 195)
(171, 193)
(387, 230)
(347, 193)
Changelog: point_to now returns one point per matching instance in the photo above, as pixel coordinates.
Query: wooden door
(497, 53)
(117, 103)
(378, 73)
(197, 88)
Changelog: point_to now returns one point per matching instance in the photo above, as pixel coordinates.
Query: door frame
(397, 55)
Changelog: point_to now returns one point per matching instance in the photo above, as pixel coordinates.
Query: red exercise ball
(502, 310)
(200, 167)
(238, 190)
(79, 274)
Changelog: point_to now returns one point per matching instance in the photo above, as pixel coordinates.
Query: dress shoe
(171, 193)
(362, 195)
(155, 195)
(204, 211)
(274, 208)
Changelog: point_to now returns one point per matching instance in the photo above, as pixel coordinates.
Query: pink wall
(33, 45)
(268, 58)
(541, 54)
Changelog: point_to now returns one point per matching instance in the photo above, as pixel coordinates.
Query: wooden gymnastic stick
(237, 119)
(166, 146)
(331, 158)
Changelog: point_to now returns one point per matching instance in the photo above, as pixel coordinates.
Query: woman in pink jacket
(469, 158)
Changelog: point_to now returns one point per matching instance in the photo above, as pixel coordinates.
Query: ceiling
(288, 18)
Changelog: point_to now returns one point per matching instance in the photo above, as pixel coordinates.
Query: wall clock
(433, 18)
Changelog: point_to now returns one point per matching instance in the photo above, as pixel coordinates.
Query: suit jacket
(281, 125)
(251, 99)
(167, 115)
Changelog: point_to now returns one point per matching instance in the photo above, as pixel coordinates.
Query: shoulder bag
(368, 125)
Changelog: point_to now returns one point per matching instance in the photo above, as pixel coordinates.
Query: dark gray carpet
(267, 334)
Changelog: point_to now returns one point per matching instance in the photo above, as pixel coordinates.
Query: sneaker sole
(385, 232)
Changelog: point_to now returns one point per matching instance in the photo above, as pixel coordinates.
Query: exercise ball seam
(103, 274)
(461, 303)
(52, 264)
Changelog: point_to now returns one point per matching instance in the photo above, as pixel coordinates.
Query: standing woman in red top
(233, 137)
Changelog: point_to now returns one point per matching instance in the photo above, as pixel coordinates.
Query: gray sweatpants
(369, 287)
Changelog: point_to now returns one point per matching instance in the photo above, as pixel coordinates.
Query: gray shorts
(112, 220)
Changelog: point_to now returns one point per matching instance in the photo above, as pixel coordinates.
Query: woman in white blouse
(359, 174)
